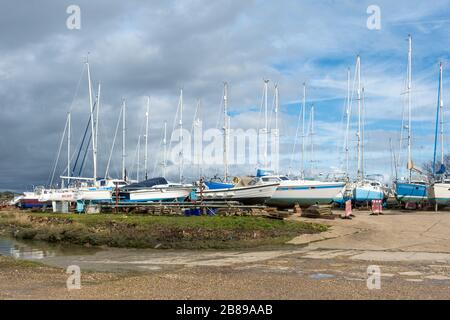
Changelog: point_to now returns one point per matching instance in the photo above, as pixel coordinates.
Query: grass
(8, 262)
(144, 231)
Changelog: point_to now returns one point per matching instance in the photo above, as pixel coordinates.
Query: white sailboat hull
(158, 194)
(255, 194)
(58, 195)
(94, 194)
(440, 193)
(305, 193)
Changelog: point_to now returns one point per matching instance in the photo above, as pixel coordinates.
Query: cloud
(159, 47)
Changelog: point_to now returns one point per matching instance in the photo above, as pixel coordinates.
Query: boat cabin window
(270, 179)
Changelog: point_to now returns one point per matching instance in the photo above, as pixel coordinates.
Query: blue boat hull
(411, 192)
(362, 194)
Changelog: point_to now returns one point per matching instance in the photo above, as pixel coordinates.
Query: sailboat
(247, 190)
(364, 190)
(299, 191)
(92, 189)
(98, 189)
(410, 190)
(30, 200)
(440, 189)
(157, 189)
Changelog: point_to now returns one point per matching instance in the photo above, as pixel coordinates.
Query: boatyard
(226, 151)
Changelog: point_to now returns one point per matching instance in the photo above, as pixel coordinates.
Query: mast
(68, 147)
(441, 109)
(225, 130)
(96, 122)
(197, 124)
(311, 132)
(358, 71)
(302, 174)
(276, 121)
(362, 134)
(146, 139)
(138, 158)
(409, 165)
(94, 147)
(114, 142)
(347, 128)
(164, 148)
(439, 122)
(124, 177)
(393, 161)
(181, 137)
(96, 125)
(266, 123)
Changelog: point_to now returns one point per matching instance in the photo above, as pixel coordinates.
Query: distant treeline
(7, 195)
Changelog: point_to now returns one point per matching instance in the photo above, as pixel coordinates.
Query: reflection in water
(16, 250)
(35, 250)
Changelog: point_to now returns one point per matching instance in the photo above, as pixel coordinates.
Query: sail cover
(441, 169)
(212, 185)
(145, 184)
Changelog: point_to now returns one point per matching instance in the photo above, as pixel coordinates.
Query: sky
(156, 48)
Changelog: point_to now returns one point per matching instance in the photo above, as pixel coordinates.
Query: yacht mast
(113, 143)
(441, 110)
(96, 124)
(311, 132)
(277, 101)
(138, 158)
(225, 130)
(198, 153)
(302, 173)
(94, 151)
(362, 134)
(347, 128)
(266, 124)
(68, 147)
(181, 137)
(440, 122)
(146, 139)
(410, 164)
(124, 177)
(164, 148)
(358, 135)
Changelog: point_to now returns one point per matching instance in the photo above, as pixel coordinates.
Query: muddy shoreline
(139, 231)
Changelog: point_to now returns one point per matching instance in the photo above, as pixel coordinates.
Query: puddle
(37, 250)
(319, 276)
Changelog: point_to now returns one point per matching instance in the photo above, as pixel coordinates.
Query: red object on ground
(377, 208)
(348, 208)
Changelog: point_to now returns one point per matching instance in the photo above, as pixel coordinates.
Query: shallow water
(129, 259)
(320, 276)
(38, 250)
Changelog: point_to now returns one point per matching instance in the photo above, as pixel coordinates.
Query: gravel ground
(292, 277)
(412, 251)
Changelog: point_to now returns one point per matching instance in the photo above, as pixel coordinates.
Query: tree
(427, 167)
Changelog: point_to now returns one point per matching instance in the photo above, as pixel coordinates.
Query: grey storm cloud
(155, 48)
